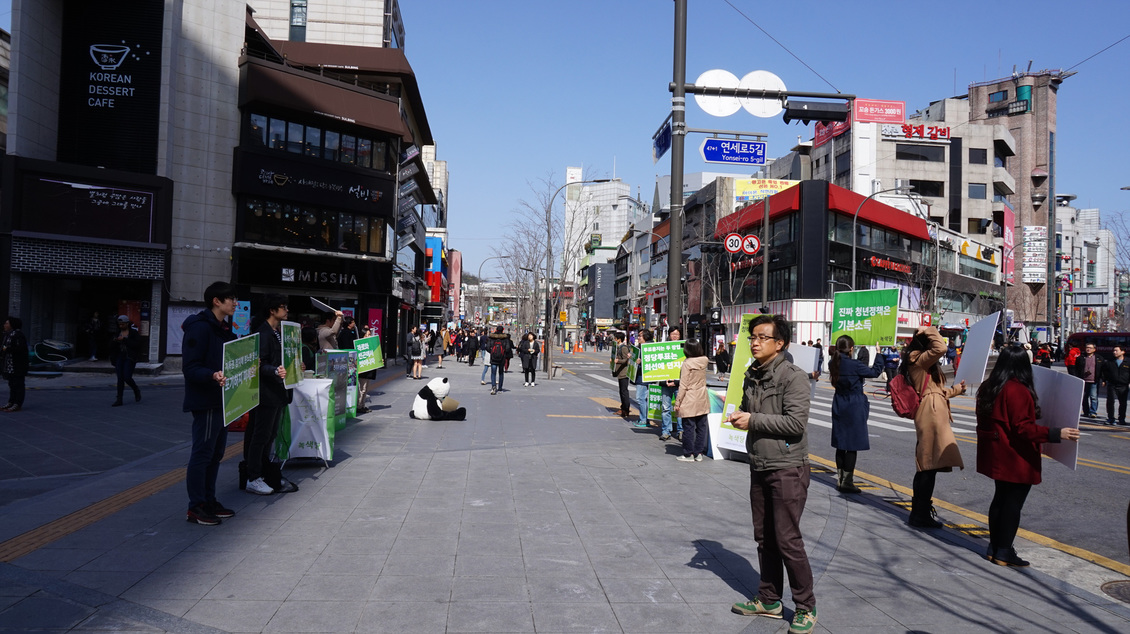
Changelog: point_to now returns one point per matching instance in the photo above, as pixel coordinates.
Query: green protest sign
(241, 377)
(369, 355)
(661, 361)
(742, 358)
(868, 317)
(292, 352)
(634, 365)
(654, 402)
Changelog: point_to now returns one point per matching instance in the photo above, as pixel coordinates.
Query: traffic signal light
(806, 111)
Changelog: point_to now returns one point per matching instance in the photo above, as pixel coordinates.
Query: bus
(1104, 342)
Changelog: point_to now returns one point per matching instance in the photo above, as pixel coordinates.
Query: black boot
(136, 394)
(117, 403)
(1008, 557)
(922, 514)
(242, 475)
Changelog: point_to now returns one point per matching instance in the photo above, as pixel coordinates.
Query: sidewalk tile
(315, 616)
(231, 615)
(575, 617)
(404, 617)
(639, 590)
(333, 587)
(511, 589)
(393, 588)
(489, 565)
(497, 618)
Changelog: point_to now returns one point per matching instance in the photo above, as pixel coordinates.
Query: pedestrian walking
(692, 404)
(667, 392)
(850, 409)
(260, 475)
(124, 350)
(722, 361)
(471, 347)
(501, 349)
(642, 388)
(1116, 376)
(14, 363)
(93, 330)
(416, 352)
(443, 341)
(774, 411)
(936, 449)
(620, 372)
(528, 352)
(202, 360)
(1008, 447)
(1087, 367)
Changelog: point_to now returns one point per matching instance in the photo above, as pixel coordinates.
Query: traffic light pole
(756, 93)
(678, 144)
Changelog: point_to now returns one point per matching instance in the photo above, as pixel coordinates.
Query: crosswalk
(883, 417)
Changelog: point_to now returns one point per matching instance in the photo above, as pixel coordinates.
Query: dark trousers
(471, 357)
(625, 404)
(124, 368)
(259, 438)
(16, 389)
(846, 459)
(1004, 512)
(695, 434)
(530, 369)
(209, 441)
(777, 499)
(496, 369)
(1116, 392)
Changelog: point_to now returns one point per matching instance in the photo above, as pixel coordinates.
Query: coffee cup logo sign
(106, 86)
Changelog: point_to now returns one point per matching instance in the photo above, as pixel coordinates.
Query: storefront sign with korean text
(661, 361)
(868, 317)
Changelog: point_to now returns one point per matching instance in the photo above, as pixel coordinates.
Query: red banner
(879, 111)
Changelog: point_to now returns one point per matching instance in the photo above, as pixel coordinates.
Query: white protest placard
(1060, 395)
(805, 358)
(975, 354)
(322, 306)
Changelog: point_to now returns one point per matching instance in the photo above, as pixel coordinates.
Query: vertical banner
(661, 361)
(369, 354)
(634, 365)
(868, 317)
(726, 436)
(241, 377)
(376, 319)
(292, 352)
(654, 401)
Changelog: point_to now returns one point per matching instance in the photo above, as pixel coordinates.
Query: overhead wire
(778, 42)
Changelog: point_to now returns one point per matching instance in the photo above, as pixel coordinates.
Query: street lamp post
(855, 220)
(549, 267)
(480, 274)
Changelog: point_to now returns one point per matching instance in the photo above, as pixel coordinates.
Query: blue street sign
(661, 143)
(733, 152)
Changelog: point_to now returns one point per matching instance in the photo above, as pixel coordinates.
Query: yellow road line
(1036, 538)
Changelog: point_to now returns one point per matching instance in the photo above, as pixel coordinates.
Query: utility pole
(678, 142)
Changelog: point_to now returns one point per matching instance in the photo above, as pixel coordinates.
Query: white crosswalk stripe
(883, 417)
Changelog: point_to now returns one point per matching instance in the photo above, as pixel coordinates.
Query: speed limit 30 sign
(734, 243)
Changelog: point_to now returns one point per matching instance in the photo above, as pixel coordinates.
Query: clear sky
(516, 90)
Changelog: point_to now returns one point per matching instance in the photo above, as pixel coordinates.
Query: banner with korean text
(369, 355)
(725, 435)
(292, 352)
(241, 377)
(661, 361)
(868, 317)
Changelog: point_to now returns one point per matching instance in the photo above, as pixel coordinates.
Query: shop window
(331, 146)
(978, 191)
(348, 148)
(380, 155)
(277, 134)
(313, 141)
(257, 133)
(978, 156)
(930, 153)
(294, 137)
(364, 153)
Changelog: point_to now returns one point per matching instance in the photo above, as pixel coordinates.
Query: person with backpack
(936, 449)
(416, 352)
(500, 349)
(850, 409)
(1008, 447)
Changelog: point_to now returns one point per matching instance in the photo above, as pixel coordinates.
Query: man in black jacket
(202, 363)
(1116, 375)
(123, 354)
(1089, 367)
(263, 423)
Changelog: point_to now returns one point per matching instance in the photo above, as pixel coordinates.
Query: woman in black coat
(850, 409)
(528, 351)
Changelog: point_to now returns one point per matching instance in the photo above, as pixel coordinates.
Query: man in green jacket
(620, 372)
(774, 411)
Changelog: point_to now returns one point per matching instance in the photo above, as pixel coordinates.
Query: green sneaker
(803, 621)
(757, 608)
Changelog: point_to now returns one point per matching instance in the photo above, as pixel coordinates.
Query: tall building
(1085, 278)
(156, 147)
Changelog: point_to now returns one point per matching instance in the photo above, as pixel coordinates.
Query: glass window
(361, 232)
(294, 137)
(935, 189)
(978, 156)
(864, 232)
(313, 141)
(380, 155)
(843, 163)
(257, 134)
(348, 148)
(998, 96)
(376, 236)
(978, 191)
(331, 146)
(278, 134)
(932, 153)
(364, 152)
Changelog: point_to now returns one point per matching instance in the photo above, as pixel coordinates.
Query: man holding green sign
(661, 362)
(263, 477)
(868, 317)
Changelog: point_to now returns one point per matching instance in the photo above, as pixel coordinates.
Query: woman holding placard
(693, 404)
(850, 409)
(1008, 447)
(936, 449)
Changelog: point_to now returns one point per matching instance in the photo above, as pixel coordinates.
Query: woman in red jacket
(1008, 447)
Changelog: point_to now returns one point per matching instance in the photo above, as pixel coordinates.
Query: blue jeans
(668, 394)
(1091, 398)
(209, 441)
(486, 366)
(496, 369)
(641, 402)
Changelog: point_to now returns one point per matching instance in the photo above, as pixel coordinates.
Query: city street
(542, 512)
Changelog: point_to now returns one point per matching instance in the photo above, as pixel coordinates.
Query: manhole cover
(601, 462)
(1118, 589)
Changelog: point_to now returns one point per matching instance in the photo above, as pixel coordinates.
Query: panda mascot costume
(432, 403)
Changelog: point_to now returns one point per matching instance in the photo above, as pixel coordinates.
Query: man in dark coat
(202, 362)
(1116, 375)
(1088, 367)
(123, 354)
(263, 423)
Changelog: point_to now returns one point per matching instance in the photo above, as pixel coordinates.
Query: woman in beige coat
(937, 447)
(693, 404)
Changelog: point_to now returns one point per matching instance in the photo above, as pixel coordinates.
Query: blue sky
(516, 90)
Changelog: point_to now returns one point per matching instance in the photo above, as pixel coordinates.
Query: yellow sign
(748, 190)
(563, 317)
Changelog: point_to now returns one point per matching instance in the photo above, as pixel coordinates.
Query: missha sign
(110, 84)
(254, 267)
